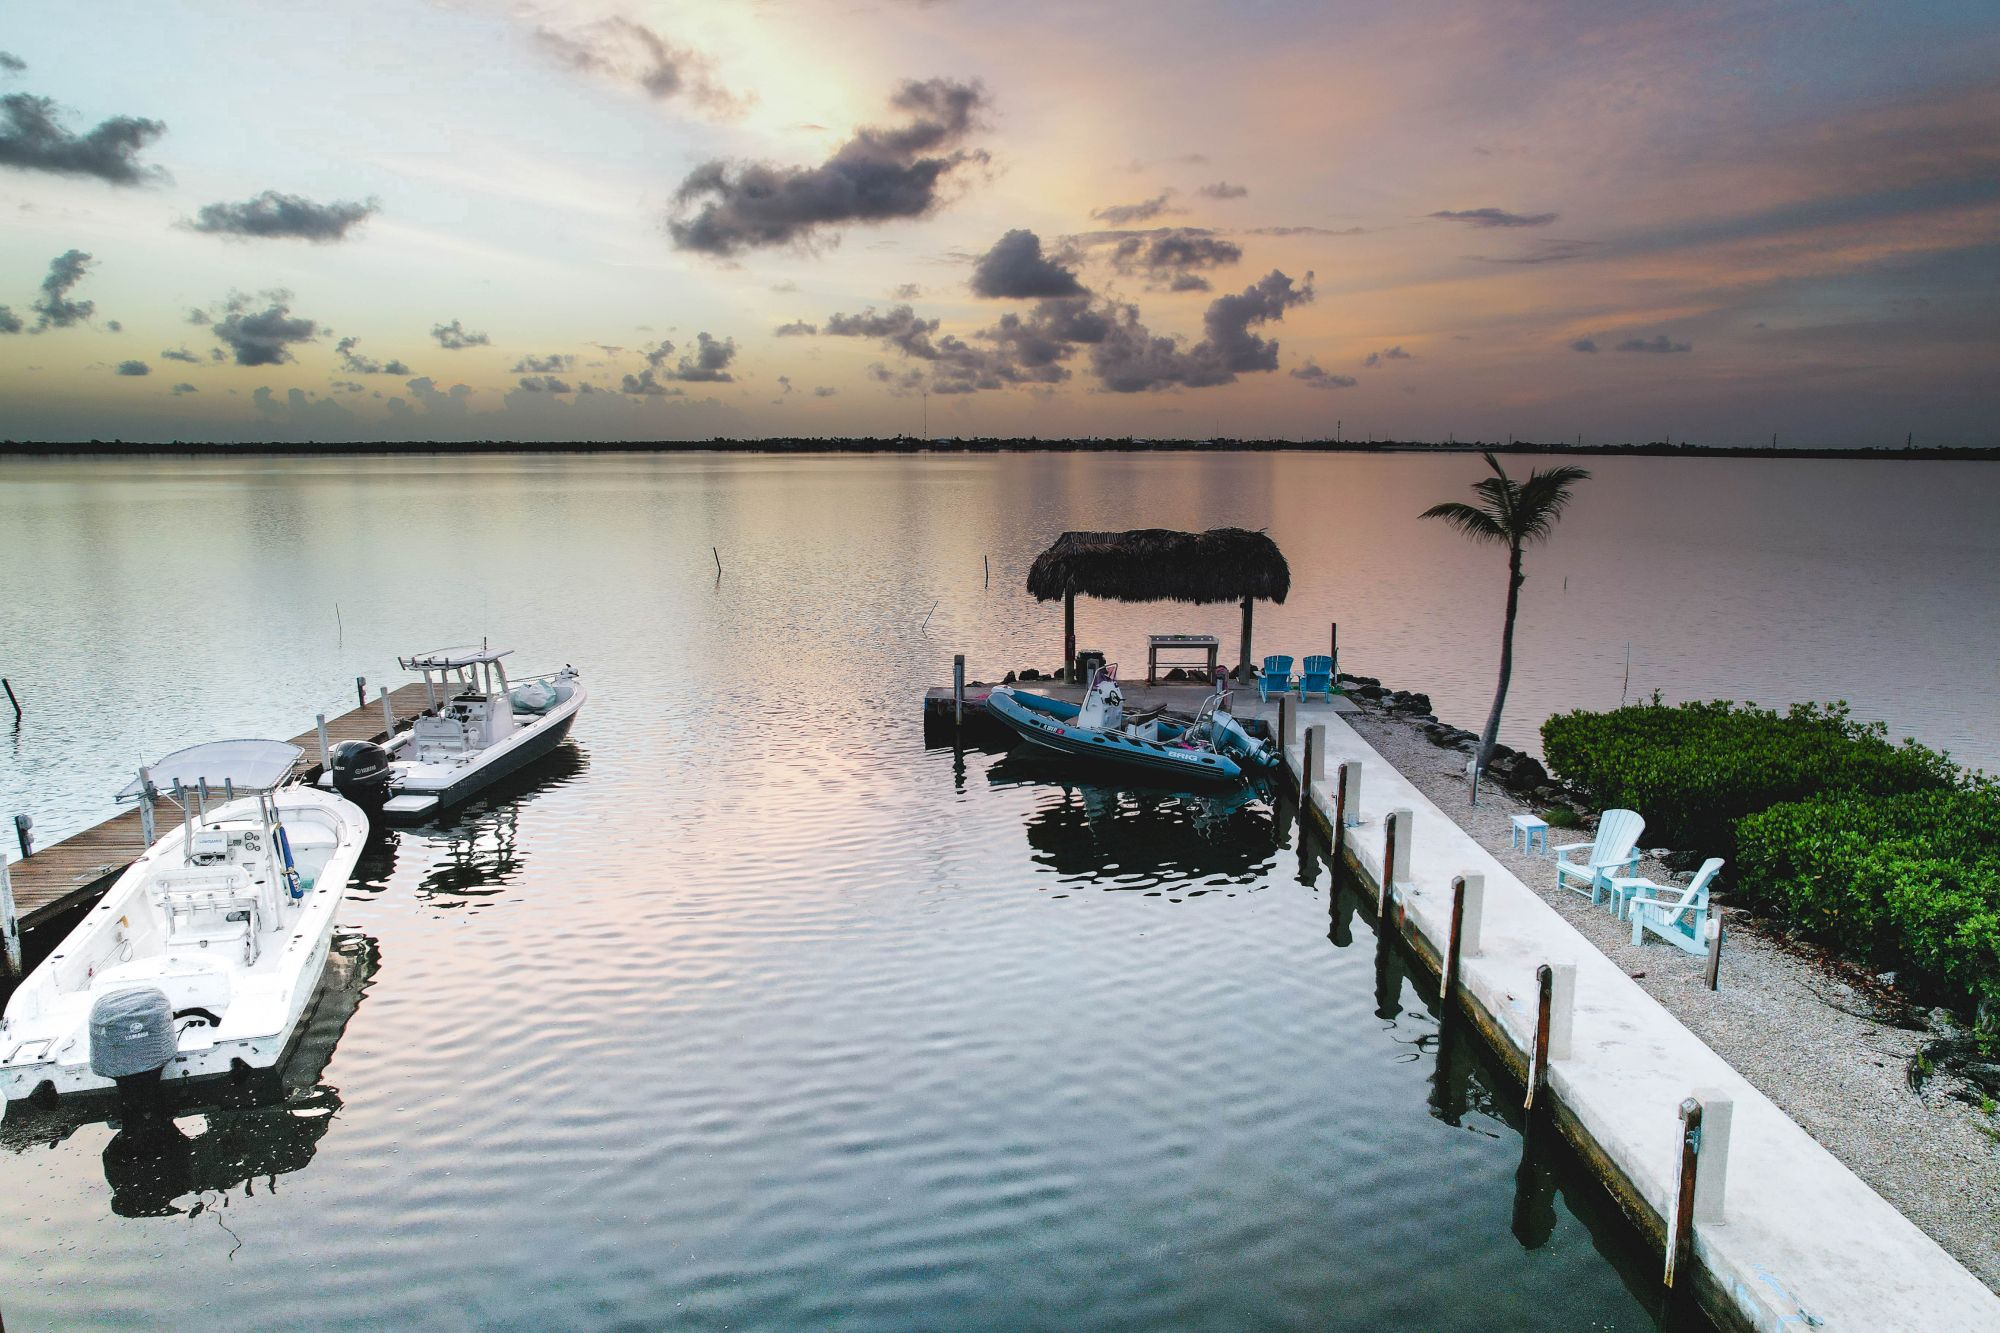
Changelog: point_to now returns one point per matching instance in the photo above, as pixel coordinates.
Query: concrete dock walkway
(1802, 1242)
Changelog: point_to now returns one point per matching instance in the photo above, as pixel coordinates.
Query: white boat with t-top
(204, 956)
(476, 728)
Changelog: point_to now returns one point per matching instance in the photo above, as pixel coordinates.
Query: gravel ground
(1822, 1042)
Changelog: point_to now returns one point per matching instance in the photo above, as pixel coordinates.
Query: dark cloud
(1132, 359)
(354, 363)
(1494, 217)
(628, 52)
(12, 63)
(1386, 355)
(1124, 215)
(1172, 257)
(349, 386)
(553, 363)
(798, 328)
(1015, 268)
(31, 139)
(878, 174)
(184, 387)
(1583, 345)
(898, 381)
(1307, 231)
(1659, 342)
(299, 408)
(900, 327)
(9, 321)
(545, 384)
(53, 308)
(272, 215)
(1223, 190)
(1313, 375)
(453, 402)
(263, 337)
(134, 368)
(785, 383)
(908, 291)
(824, 391)
(116, 326)
(455, 337)
(197, 316)
(709, 363)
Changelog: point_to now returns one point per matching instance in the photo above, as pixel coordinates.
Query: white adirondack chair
(1678, 916)
(1611, 852)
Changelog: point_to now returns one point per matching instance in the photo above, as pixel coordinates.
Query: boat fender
(131, 1032)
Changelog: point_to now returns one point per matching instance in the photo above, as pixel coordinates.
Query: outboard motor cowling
(131, 1032)
(361, 773)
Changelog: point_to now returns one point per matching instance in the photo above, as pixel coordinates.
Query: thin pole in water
(927, 615)
(339, 630)
(12, 699)
(718, 561)
(988, 561)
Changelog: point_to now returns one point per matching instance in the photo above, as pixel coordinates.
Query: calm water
(749, 1011)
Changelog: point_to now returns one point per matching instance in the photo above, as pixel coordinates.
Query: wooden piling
(10, 924)
(361, 691)
(1538, 1060)
(958, 689)
(12, 699)
(388, 715)
(1395, 856)
(24, 833)
(1680, 1227)
(146, 794)
(1339, 806)
(1315, 757)
(1467, 903)
(1714, 930)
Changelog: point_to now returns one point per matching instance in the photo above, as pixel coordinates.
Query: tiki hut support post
(1243, 657)
(1069, 633)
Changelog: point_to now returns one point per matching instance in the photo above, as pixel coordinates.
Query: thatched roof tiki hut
(1157, 565)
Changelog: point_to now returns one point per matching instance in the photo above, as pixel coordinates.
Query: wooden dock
(67, 873)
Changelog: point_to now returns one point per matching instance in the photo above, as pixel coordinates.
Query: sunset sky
(539, 221)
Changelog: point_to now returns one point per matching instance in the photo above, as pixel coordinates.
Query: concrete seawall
(1802, 1241)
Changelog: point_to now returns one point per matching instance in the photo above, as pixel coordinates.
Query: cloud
(1549, 251)
(1387, 354)
(134, 368)
(1015, 268)
(115, 326)
(320, 417)
(824, 391)
(1172, 257)
(12, 63)
(272, 215)
(1659, 342)
(798, 328)
(1131, 359)
(9, 321)
(710, 362)
(901, 327)
(878, 174)
(197, 316)
(455, 337)
(1307, 231)
(263, 337)
(551, 364)
(1124, 215)
(354, 363)
(184, 388)
(1583, 345)
(1314, 376)
(1223, 190)
(545, 384)
(625, 51)
(1034, 348)
(53, 308)
(31, 139)
(1494, 217)
(454, 402)
(908, 291)
(785, 382)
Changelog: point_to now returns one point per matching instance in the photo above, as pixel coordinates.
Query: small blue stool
(1527, 831)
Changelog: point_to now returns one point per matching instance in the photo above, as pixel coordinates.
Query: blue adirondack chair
(1609, 854)
(1678, 916)
(1277, 676)
(1316, 677)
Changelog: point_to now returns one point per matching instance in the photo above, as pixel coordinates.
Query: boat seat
(208, 908)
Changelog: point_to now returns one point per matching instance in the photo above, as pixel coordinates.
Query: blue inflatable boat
(1212, 749)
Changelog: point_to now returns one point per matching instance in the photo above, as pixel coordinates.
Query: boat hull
(1049, 725)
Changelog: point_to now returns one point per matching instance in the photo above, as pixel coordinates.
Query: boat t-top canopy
(1158, 564)
(246, 766)
(450, 659)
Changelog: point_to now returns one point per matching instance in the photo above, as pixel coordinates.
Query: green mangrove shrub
(1694, 769)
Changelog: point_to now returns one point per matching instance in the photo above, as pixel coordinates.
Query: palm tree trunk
(1491, 735)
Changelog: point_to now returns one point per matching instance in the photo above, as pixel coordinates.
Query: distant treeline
(982, 445)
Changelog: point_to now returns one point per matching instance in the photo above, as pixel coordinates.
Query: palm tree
(1513, 514)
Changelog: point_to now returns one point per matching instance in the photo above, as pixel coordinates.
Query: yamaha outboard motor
(131, 1039)
(361, 773)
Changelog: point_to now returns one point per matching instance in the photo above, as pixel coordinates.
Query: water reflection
(1142, 838)
(217, 1136)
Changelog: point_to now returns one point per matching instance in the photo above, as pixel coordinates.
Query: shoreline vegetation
(905, 444)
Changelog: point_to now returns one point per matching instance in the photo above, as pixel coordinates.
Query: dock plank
(66, 873)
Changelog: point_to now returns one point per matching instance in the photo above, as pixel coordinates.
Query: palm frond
(1470, 521)
(1541, 499)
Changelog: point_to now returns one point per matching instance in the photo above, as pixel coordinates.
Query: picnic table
(1187, 651)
